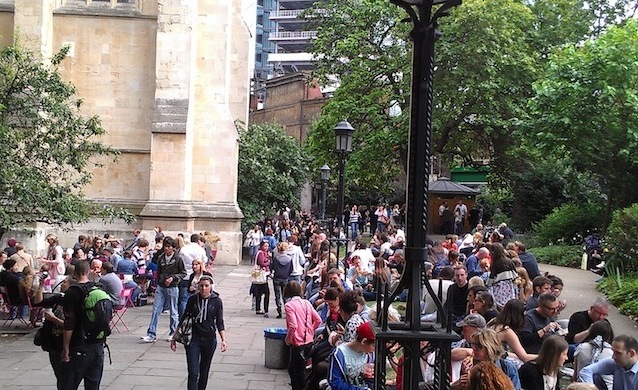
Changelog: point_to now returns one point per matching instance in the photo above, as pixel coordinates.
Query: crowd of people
(507, 311)
(176, 272)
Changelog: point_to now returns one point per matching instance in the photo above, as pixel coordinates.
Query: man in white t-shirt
(365, 254)
(191, 251)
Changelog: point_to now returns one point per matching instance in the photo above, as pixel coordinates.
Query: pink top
(301, 321)
(263, 260)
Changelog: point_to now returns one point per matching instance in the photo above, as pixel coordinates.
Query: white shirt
(430, 306)
(190, 252)
(366, 256)
(298, 260)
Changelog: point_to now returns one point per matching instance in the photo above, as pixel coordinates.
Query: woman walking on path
(254, 238)
(263, 262)
(301, 322)
(207, 313)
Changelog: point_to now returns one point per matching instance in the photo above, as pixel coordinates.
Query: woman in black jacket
(207, 314)
(542, 373)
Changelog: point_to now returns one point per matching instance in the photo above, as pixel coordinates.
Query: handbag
(38, 339)
(247, 242)
(258, 276)
(184, 331)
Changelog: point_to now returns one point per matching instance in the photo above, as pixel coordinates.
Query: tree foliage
(622, 238)
(487, 60)
(363, 42)
(272, 170)
(586, 109)
(568, 224)
(48, 148)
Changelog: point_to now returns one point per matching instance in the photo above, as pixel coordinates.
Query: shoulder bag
(184, 332)
(258, 276)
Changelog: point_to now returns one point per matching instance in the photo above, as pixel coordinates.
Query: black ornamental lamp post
(343, 146)
(325, 175)
(417, 338)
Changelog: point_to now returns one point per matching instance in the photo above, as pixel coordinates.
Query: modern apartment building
(282, 43)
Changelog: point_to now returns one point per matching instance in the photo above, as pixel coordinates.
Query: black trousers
(85, 363)
(297, 367)
(262, 290)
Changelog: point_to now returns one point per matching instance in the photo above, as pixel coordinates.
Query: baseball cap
(364, 331)
(475, 320)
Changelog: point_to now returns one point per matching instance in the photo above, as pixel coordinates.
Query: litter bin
(276, 352)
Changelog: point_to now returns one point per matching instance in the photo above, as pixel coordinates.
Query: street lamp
(411, 332)
(325, 175)
(343, 146)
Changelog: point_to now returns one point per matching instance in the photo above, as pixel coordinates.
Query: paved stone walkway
(137, 365)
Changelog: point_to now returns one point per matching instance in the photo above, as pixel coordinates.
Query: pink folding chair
(119, 310)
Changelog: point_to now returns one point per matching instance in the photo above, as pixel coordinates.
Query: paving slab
(145, 366)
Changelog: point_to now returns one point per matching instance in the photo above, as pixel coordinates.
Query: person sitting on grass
(352, 363)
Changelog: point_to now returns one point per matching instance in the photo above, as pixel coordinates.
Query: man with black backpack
(87, 313)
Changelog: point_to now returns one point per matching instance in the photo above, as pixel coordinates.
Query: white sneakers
(151, 339)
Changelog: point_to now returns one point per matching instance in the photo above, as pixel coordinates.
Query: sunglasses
(477, 345)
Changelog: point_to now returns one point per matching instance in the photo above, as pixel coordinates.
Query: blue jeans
(278, 286)
(354, 230)
(184, 294)
(199, 355)
(163, 294)
(251, 251)
(85, 363)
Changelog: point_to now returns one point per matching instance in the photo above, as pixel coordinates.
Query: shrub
(563, 255)
(622, 291)
(568, 224)
(622, 239)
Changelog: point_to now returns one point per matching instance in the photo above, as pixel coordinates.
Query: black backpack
(98, 311)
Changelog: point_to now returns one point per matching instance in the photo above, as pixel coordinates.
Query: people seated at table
(31, 285)
(10, 279)
(127, 267)
(111, 283)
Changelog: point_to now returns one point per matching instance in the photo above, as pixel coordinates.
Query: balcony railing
(285, 13)
(292, 35)
(290, 13)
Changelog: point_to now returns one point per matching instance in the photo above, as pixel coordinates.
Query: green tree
(272, 170)
(489, 55)
(48, 148)
(485, 68)
(586, 110)
(363, 43)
